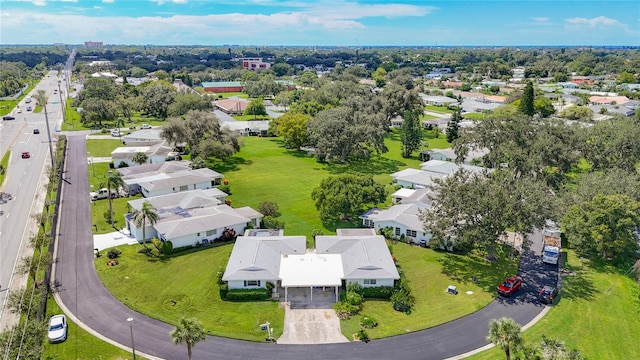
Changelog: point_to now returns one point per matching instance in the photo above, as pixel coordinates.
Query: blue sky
(309, 22)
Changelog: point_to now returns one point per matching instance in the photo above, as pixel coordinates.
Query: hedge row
(246, 294)
(378, 292)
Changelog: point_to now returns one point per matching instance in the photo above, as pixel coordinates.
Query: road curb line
(66, 310)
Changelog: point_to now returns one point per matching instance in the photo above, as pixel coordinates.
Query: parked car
(116, 133)
(510, 286)
(29, 108)
(36, 131)
(26, 155)
(145, 126)
(103, 194)
(6, 118)
(548, 294)
(57, 329)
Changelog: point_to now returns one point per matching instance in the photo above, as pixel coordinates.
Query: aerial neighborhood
(323, 195)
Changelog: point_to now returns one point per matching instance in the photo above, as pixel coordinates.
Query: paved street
(82, 293)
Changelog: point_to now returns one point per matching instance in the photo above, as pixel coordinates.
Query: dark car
(26, 155)
(510, 286)
(36, 131)
(8, 117)
(548, 294)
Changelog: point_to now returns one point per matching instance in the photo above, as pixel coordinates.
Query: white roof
(180, 178)
(177, 222)
(440, 168)
(403, 193)
(184, 199)
(404, 214)
(405, 172)
(311, 270)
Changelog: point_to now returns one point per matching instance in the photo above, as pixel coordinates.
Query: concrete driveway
(311, 326)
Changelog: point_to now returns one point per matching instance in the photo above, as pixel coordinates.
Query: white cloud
(579, 23)
(108, 1)
(39, 2)
(540, 19)
(162, 2)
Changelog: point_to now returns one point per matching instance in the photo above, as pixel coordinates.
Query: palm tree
(139, 158)
(114, 180)
(140, 217)
(189, 331)
(506, 334)
(119, 122)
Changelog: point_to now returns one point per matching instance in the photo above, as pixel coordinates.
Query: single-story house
(146, 137)
(449, 155)
(441, 168)
(166, 183)
(438, 100)
(473, 106)
(134, 175)
(192, 217)
(568, 85)
(222, 86)
(608, 100)
(612, 109)
(403, 218)
(248, 128)
(495, 99)
(414, 178)
(420, 197)
(157, 153)
(232, 105)
(353, 255)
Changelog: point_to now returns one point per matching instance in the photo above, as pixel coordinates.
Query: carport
(311, 270)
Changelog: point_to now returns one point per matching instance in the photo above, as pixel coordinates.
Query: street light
(92, 168)
(133, 347)
(64, 117)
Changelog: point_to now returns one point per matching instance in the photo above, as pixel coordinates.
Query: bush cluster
(114, 253)
(368, 322)
(245, 294)
(402, 299)
(378, 292)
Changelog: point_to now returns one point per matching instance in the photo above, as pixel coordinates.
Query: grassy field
(102, 147)
(189, 280)
(429, 273)
(598, 314)
(185, 285)
(73, 122)
(4, 164)
(80, 344)
(251, 117)
(439, 109)
(232, 94)
(474, 116)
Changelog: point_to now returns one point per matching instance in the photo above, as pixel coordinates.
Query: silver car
(57, 329)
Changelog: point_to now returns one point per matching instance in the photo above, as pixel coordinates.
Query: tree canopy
(344, 196)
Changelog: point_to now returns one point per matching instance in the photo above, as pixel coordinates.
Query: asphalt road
(22, 177)
(83, 294)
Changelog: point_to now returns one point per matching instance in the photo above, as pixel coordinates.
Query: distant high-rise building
(91, 44)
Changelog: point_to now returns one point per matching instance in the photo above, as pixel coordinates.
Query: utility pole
(64, 117)
(42, 100)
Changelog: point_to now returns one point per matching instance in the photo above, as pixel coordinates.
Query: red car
(510, 286)
(26, 155)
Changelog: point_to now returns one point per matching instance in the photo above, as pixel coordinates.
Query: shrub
(157, 244)
(344, 310)
(114, 253)
(368, 322)
(269, 208)
(225, 188)
(227, 235)
(354, 298)
(224, 290)
(403, 301)
(270, 287)
(167, 247)
(354, 287)
(123, 164)
(270, 222)
(246, 294)
(219, 275)
(378, 292)
(363, 336)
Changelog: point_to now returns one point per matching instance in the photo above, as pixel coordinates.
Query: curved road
(81, 291)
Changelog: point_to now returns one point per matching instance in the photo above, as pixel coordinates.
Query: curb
(66, 310)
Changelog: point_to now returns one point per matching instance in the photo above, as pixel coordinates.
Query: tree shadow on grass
(334, 224)
(373, 166)
(231, 164)
(466, 268)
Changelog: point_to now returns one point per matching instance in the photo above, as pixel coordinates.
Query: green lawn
(474, 116)
(440, 109)
(251, 117)
(80, 344)
(4, 164)
(73, 122)
(189, 280)
(429, 273)
(231, 94)
(102, 147)
(597, 313)
(100, 207)
(7, 105)
(427, 117)
(168, 289)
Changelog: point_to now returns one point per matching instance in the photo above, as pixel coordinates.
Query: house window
(397, 231)
(369, 281)
(198, 234)
(412, 233)
(368, 223)
(248, 283)
(211, 232)
(184, 188)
